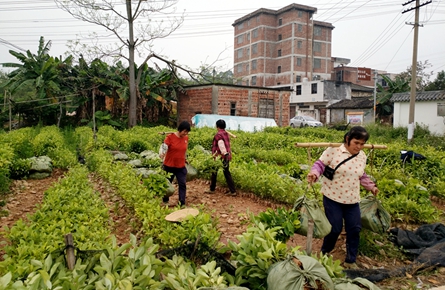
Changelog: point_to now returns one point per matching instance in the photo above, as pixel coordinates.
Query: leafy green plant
(287, 220)
(256, 251)
(20, 168)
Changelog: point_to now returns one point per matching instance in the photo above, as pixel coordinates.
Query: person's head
(221, 124)
(184, 128)
(355, 139)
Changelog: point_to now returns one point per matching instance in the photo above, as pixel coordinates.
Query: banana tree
(384, 106)
(39, 73)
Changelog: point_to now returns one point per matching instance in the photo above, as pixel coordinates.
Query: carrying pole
(327, 144)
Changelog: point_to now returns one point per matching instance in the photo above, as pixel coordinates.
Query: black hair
(184, 125)
(221, 124)
(357, 132)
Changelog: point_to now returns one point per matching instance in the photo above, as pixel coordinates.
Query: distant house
(234, 100)
(429, 110)
(356, 111)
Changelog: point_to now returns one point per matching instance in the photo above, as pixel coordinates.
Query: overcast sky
(372, 33)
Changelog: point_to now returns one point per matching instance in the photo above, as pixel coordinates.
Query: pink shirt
(345, 187)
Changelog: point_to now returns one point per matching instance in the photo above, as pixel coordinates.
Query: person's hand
(311, 178)
(374, 191)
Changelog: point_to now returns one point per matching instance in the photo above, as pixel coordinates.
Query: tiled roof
(420, 96)
(354, 103)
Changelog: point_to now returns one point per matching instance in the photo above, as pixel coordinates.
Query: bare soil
(232, 213)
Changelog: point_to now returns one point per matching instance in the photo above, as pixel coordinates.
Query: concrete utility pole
(412, 100)
(375, 92)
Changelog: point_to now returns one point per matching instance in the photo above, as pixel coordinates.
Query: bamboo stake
(369, 146)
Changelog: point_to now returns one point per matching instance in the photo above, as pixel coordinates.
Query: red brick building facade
(235, 101)
(281, 47)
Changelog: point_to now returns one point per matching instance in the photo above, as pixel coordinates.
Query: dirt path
(232, 213)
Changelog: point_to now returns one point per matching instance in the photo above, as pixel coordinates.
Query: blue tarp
(248, 124)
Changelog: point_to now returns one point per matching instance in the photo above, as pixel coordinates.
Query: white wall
(306, 92)
(425, 113)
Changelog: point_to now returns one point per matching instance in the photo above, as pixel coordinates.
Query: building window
(241, 26)
(317, 46)
(280, 37)
(232, 109)
(314, 88)
(253, 82)
(280, 22)
(300, 27)
(247, 51)
(254, 64)
(279, 69)
(255, 33)
(255, 48)
(240, 53)
(278, 83)
(317, 63)
(239, 68)
(240, 39)
(247, 82)
(300, 14)
(248, 36)
(266, 108)
(298, 90)
(317, 30)
(299, 44)
(247, 68)
(279, 52)
(298, 79)
(298, 62)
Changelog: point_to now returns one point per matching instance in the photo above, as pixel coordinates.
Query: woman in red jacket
(174, 155)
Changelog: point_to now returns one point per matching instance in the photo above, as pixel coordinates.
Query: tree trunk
(132, 110)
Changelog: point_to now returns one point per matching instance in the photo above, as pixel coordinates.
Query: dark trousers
(181, 177)
(227, 175)
(336, 213)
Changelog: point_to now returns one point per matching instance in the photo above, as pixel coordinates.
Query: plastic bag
(309, 209)
(163, 150)
(373, 216)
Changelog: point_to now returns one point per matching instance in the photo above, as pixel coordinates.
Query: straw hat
(181, 214)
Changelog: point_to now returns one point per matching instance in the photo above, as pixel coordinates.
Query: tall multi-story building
(276, 48)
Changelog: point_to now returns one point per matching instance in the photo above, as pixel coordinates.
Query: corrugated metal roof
(420, 96)
(354, 103)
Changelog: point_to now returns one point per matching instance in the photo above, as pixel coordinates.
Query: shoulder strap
(347, 159)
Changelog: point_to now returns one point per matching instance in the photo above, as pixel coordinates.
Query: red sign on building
(364, 74)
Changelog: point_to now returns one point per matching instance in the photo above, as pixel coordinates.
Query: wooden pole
(368, 146)
(70, 257)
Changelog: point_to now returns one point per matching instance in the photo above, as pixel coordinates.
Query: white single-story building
(429, 110)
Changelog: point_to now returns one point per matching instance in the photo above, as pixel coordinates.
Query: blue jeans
(181, 177)
(336, 213)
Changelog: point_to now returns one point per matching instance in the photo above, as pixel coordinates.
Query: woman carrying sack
(341, 190)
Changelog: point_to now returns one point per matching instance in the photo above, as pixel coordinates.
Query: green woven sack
(192, 173)
(309, 209)
(298, 272)
(356, 284)
(373, 216)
